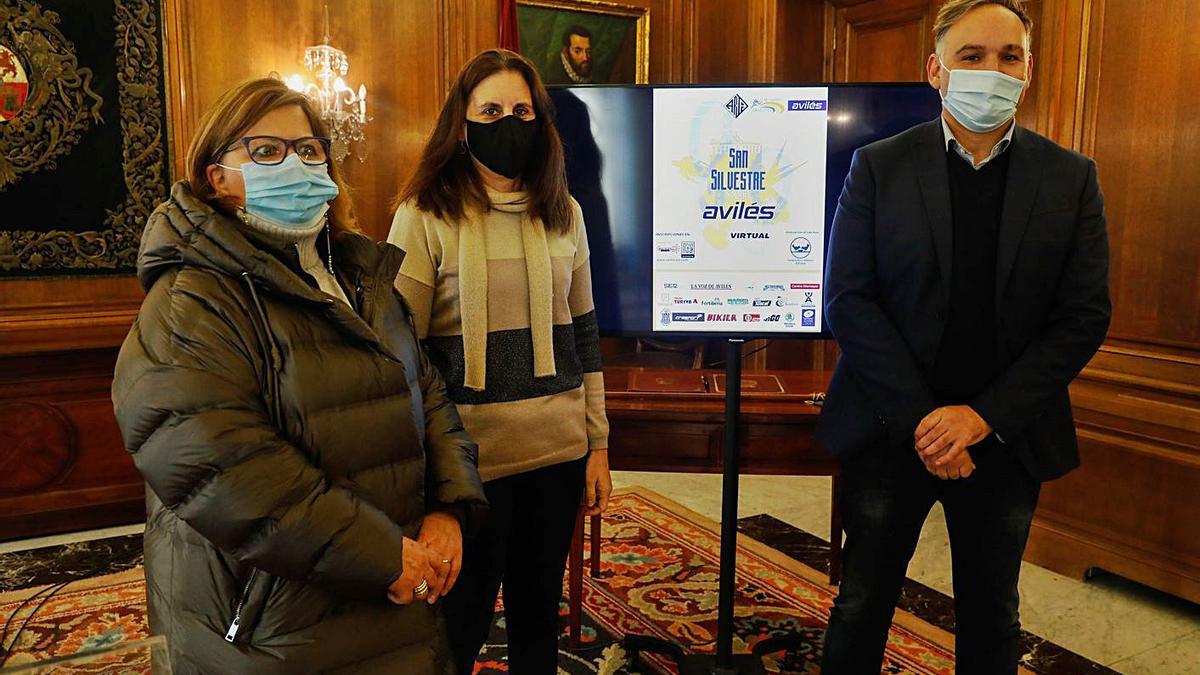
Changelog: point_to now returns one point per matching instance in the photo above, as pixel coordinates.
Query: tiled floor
(1123, 625)
(58, 539)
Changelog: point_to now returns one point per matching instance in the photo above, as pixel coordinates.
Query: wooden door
(880, 40)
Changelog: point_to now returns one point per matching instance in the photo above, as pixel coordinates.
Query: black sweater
(968, 358)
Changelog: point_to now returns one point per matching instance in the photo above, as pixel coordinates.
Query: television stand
(724, 662)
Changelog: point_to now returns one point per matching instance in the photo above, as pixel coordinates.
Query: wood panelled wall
(1132, 508)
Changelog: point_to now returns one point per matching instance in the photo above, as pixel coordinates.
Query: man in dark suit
(967, 285)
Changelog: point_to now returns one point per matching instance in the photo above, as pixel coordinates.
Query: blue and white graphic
(801, 248)
(739, 183)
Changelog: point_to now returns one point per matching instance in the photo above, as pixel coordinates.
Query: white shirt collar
(1000, 146)
(575, 77)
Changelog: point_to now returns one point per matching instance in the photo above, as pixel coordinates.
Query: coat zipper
(237, 612)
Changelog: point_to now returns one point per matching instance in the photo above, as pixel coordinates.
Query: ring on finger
(421, 590)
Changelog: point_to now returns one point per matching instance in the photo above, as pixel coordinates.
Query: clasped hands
(942, 439)
(433, 559)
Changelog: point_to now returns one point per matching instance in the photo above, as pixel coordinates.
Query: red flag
(508, 26)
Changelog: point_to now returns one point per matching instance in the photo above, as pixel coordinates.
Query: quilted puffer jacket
(289, 442)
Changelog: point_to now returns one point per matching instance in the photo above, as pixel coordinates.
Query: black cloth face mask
(504, 146)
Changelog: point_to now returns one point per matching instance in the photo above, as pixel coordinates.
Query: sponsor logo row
(809, 300)
(674, 286)
(808, 318)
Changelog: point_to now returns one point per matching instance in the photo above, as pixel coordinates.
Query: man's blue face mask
(981, 100)
(290, 194)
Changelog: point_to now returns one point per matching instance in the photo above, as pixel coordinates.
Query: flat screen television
(708, 207)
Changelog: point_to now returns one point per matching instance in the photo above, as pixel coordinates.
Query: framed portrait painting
(576, 42)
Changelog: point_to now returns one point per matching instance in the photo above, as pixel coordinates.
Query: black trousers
(522, 545)
(885, 500)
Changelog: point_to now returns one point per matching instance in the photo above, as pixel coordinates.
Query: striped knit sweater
(521, 421)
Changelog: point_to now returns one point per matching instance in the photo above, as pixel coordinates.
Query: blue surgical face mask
(290, 194)
(981, 100)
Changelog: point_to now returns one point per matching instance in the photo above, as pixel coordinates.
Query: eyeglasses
(272, 150)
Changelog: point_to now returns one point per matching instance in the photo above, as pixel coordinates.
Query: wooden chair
(575, 575)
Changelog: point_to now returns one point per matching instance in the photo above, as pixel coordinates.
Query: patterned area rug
(659, 577)
(84, 617)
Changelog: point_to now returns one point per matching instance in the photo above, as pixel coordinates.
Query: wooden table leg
(835, 534)
(575, 584)
(595, 525)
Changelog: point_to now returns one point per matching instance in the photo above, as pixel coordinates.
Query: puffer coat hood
(289, 442)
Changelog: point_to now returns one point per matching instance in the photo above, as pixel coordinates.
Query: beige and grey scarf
(473, 289)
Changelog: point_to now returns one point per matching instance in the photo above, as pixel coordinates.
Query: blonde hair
(953, 10)
(228, 119)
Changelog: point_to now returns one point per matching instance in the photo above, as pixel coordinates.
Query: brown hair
(953, 10)
(228, 119)
(445, 182)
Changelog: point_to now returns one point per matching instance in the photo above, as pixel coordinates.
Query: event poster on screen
(739, 209)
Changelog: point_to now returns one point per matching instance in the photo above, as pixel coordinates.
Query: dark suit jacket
(887, 285)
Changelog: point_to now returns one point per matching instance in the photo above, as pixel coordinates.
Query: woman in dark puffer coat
(308, 480)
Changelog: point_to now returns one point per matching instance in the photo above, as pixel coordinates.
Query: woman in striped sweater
(497, 276)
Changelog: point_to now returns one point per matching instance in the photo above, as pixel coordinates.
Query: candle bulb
(339, 86)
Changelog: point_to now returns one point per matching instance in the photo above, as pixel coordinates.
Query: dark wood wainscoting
(62, 463)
